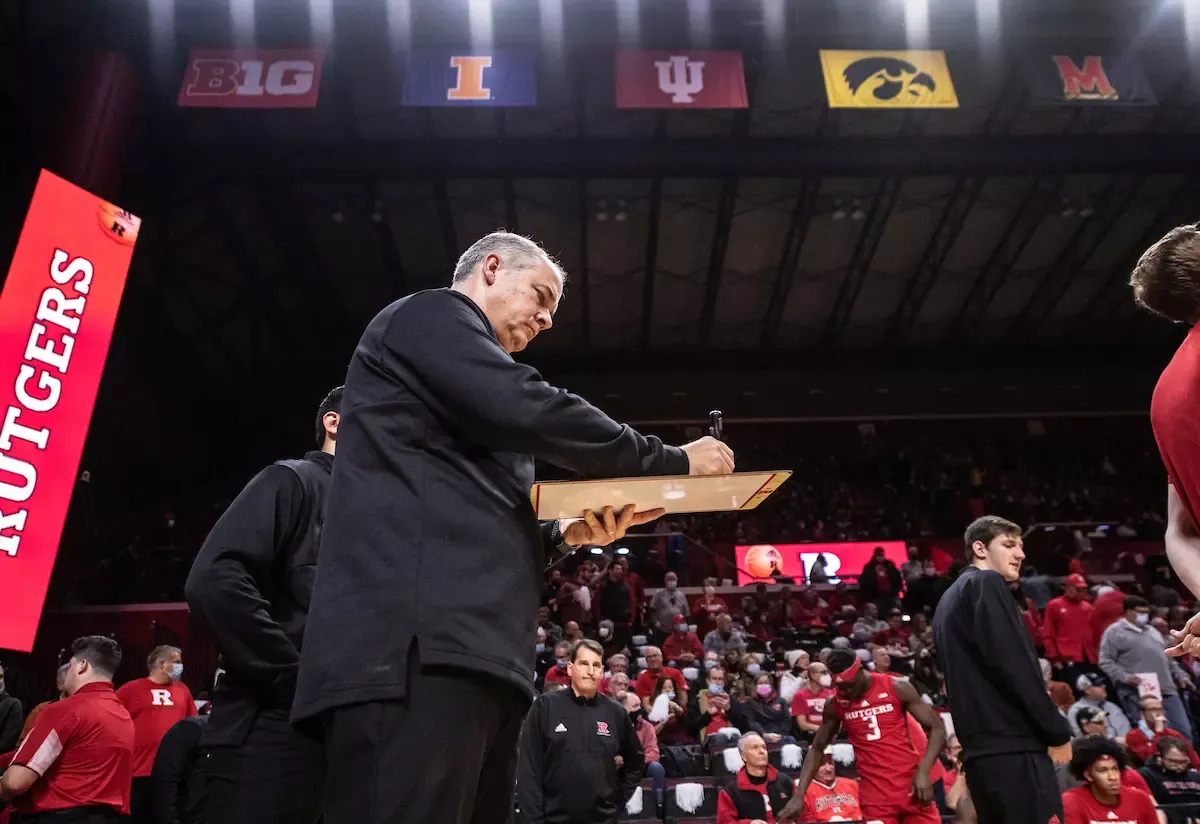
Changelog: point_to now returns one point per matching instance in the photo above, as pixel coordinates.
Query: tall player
(883, 719)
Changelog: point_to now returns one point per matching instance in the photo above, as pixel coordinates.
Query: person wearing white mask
(155, 703)
(808, 704)
(796, 677)
(666, 604)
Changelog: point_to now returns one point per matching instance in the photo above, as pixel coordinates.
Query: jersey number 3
(873, 734)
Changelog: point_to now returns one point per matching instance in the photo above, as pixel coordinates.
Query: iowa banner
(680, 80)
(443, 77)
(1095, 79)
(57, 310)
(887, 80)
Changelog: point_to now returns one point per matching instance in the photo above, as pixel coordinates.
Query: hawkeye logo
(887, 80)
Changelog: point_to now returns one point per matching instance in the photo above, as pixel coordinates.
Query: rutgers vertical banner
(57, 313)
(680, 80)
(443, 77)
(1079, 78)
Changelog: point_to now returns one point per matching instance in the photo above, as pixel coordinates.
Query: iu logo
(602, 728)
(468, 84)
(1086, 82)
(162, 698)
(681, 78)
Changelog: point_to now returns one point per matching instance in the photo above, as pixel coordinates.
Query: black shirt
(567, 772)
(178, 793)
(430, 534)
(997, 696)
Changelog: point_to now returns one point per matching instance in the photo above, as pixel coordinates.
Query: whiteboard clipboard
(677, 494)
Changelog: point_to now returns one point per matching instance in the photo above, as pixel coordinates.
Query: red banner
(252, 78)
(680, 80)
(764, 562)
(57, 313)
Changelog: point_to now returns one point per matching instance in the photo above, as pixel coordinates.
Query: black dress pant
(141, 800)
(1014, 788)
(444, 754)
(75, 815)
(277, 776)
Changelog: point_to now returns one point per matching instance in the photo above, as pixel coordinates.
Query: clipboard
(677, 494)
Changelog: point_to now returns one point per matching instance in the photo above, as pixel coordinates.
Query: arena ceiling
(782, 233)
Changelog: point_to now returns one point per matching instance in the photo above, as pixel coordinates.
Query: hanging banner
(57, 310)
(680, 80)
(1087, 79)
(442, 77)
(250, 78)
(887, 80)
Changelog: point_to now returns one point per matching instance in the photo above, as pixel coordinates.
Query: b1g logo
(252, 78)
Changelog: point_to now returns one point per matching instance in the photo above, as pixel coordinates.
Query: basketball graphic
(764, 561)
(120, 225)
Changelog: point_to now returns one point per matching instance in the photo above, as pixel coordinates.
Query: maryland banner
(1095, 79)
(443, 77)
(887, 80)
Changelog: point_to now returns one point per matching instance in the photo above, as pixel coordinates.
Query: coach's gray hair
(742, 741)
(517, 252)
(159, 654)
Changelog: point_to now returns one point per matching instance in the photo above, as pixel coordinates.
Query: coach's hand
(922, 787)
(1187, 640)
(608, 526)
(708, 456)
(1061, 755)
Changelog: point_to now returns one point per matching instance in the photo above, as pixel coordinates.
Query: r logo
(602, 728)
(162, 698)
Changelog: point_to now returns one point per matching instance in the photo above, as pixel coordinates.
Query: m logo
(162, 698)
(1086, 82)
(252, 78)
(887, 79)
(469, 79)
(602, 728)
(681, 78)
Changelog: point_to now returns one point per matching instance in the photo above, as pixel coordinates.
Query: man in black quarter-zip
(580, 757)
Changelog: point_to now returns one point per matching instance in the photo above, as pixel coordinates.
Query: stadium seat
(712, 788)
(649, 805)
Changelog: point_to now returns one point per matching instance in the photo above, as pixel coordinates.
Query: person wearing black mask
(1170, 774)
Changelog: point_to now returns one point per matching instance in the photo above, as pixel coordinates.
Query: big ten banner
(887, 80)
(57, 313)
(442, 77)
(1093, 79)
(680, 80)
(251, 78)
(767, 562)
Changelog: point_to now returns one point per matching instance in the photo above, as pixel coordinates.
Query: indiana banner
(1095, 79)
(887, 80)
(250, 78)
(442, 77)
(57, 310)
(680, 80)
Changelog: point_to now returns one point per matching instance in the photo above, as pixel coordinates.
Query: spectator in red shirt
(575, 599)
(1100, 762)
(808, 704)
(1142, 739)
(682, 648)
(79, 754)
(1068, 629)
(1107, 609)
(707, 607)
(646, 682)
(648, 738)
(156, 703)
(557, 674)
(615, 600)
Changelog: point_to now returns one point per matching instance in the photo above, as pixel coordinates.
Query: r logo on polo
(602, 728)
(162, 698)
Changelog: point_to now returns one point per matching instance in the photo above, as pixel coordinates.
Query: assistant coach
(1003, 716)
(418, 655)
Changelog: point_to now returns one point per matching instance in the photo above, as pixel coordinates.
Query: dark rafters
(654, 217)
(388, 247)
(511, 221)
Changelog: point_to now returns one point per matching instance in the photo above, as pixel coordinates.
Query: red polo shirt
(1172, 415)
(155, 708)
(645, 683)
(82, 747)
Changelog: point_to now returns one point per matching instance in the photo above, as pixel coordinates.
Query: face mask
(671, 586)
(725, 633)
(825, 680)
(764, 690)
(669, 693)
(1143, 619)
(753, 669)
(709, 664)
(176, 672)
(715, 689)
(605, 632)
(636, 716)
(681, 627)
(562, 663)
(540, 648)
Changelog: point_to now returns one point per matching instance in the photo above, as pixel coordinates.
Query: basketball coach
(418, 654)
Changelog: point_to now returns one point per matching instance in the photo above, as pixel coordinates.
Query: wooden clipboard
(677, 494)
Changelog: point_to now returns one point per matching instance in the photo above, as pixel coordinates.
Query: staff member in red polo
(156, 703)
(76, 765)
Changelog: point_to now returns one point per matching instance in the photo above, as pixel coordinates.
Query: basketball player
(883, 719)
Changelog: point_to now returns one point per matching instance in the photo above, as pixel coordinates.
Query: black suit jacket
(430, 534)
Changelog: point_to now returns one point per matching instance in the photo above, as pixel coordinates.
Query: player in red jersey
(894, 757)
(1101, 763)
(830, 798)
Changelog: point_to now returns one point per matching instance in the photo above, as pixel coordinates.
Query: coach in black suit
(418, 655)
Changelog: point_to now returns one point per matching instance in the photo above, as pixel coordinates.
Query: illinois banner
(1095, 79)
(887, 80)
(252, 78)
(57, 309)
(442, 77)
(680, 80)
